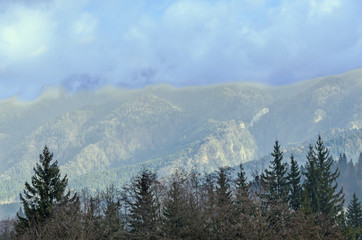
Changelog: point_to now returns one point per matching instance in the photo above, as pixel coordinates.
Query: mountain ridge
(191, 127)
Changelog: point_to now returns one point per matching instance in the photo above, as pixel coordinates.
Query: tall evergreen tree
(223, 190)
(354, 217)
(44, 195)
(112, 225)
(312, 180)
(275, 180)
(223, 214)
(321, 182)
(295, 189)
(208, 205)
(195, 204)
(144, 208)
(242, 187)
(174, 205)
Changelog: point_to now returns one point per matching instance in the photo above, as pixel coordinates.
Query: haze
(88, 44)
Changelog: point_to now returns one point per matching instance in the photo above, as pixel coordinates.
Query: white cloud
(84, 28)
(22, 33)
(182, 42)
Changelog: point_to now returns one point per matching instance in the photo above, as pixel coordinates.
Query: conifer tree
(331, 201)
(321, 182)
(144, 208)
(44, 195)
(359, 167)
(306, 205)
(342, 162)
(112, 226)
(175, 220)
(224, 204)
(275, 179)
(223, 191)
(311, 186)
(295, 189)
(195, 205)
(354, 217)
(208, 204)
(242, 187)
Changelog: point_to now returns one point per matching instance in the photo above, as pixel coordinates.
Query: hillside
(105, 136)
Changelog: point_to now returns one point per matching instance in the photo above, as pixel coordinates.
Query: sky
(88, 44)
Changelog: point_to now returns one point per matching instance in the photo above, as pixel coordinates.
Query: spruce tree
(223, 215)
(354, 218)
(223, 191)
(144, 208)
(321, 182)
(242, 187)
(275, 180)
(175, 220)
(295, 189)
(311, 186)
(331, 200)
(111, 224)
(44, 195)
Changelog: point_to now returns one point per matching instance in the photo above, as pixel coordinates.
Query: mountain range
(106, 136)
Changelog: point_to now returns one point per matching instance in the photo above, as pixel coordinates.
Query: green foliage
(44, 195)
(320, 182)
(275, 180)
(174, 218)
(111, 224)
(144, 206)
(224, 204)
(295, 189)
(354, 218)
(223, 191)
(242, 188)
(220, 205)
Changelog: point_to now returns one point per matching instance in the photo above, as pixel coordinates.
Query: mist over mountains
(105, 136)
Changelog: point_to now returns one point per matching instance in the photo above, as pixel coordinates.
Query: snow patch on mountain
(319, 115)
(260, 114)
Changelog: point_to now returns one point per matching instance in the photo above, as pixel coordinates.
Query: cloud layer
(86, 44)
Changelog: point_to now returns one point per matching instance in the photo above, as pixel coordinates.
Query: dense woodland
(283, 202)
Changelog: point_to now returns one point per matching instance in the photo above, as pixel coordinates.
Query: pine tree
(354, 218)
(44, 195)
(320, 182)
(144, 208)
(275, 180)
(295, 189)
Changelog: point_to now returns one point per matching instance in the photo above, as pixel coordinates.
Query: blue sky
(87, 44)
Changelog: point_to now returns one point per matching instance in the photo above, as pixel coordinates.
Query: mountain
(106, 136)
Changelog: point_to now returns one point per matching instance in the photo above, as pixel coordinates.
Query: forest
(285, 201)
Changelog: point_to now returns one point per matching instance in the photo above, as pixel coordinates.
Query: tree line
(351, 175)
(283, 202)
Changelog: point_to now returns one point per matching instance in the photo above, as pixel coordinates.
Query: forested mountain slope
(105, 136)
